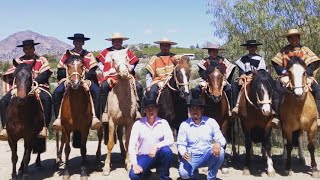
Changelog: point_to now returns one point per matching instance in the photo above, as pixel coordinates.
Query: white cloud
(147, 31)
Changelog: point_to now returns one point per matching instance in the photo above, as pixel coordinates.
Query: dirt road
(119, 173)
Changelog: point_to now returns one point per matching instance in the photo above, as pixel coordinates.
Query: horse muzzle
(266, 109)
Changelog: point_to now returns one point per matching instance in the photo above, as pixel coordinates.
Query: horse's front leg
(26, 158)
(120, 138)
(98, 153)
(38, 161)
(67, 150)
(311, 148)
(84, 135)
(59, 150)
(14, 158)
(128, 134)
(224, 129)
(288, 162)
(248, 145)
(107, 168)
(300, 149)
(266, 145)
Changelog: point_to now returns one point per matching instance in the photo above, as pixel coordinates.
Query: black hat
(196, 102)
(251, 42)
(149, 102)
(78, 36)
(28, 43)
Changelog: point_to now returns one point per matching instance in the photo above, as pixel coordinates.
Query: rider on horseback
(109, 71)
(279, 63)
(41, 74)
(91, 66)
(160, 67)
(214, 60)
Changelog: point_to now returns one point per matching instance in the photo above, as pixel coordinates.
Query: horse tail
(39, 145)
(295, 138)
(76, 139)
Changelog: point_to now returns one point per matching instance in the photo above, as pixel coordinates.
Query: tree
(192, 47)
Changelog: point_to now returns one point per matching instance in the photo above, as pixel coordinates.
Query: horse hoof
(25, 177)
(106, 172)
(246, 172)
(271, 174)
(225, 170)
(315, 174)
(288, 173)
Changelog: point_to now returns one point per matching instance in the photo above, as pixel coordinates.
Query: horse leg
(288, 163)
(300, 149)
(59, 150)
(26, 158)
(107, 167)
(98, 153)
(83, 149)
(311, 148)
(267, 149)
(248, 145)
(128, 133)
(284, 152)
(38, 161)
(14, 158)
(67, 150)
(120, 137)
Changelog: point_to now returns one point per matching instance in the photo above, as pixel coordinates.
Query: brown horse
(298, 112)
(121, 106)
(76, 113)
(255, 114)
(217, 105)
(25, 119)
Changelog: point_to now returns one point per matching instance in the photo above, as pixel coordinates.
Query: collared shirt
(144, 137)
(199, 138)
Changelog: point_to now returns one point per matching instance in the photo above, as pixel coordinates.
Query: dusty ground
(119, 173)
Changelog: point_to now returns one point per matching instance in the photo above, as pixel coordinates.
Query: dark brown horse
(298, 112)
(76, 113)
(217, 105)
(172, 98)
(25, 120)
(255, 114)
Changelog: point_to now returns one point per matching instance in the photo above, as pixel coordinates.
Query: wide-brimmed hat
(251, 42)
(196, 102)
(117, 36)
(213, 46)
(293, 32)
(149, 102)
(28, 42)
(165, 41)
(78, 36)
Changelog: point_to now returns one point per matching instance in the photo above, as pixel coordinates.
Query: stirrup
(56, 125)
(3, 135)
(96, 123)
(44, 133)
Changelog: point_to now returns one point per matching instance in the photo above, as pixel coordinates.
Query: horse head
(215, 75)
(261, 91)
(121, 62)
(181, 76)
(75, 69)
(23, 78)
(296, 68)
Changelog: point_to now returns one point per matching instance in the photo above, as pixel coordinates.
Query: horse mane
(184, 62)
(259, 78)
(295, 60)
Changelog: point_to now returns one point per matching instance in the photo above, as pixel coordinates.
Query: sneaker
(275, 123)
(235, 111)
(3, 135)
(96, 123)
(44, 133)
(56, 125)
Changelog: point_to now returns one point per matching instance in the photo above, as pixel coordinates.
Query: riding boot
(96, 123)
(57, 99)
(104, 107)
(235, 110)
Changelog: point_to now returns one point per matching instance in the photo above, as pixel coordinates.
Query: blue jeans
(189, 170)
(163, 156)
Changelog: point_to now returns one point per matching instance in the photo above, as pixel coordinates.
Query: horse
(217, 105)
(76, 113)
(25, 119)
(172, 99)
(255, 114)
(298, 112)
(121, 110)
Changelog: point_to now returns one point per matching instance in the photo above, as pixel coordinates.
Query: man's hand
(216, 149)
(153, 152)
(137, 169)
(187, 156)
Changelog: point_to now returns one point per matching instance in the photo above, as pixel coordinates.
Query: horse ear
(15, 63)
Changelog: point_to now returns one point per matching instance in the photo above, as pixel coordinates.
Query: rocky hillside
(49, 45)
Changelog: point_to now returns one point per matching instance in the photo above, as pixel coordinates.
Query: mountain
(48, 45)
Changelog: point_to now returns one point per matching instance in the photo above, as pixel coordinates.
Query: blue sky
(145, 21)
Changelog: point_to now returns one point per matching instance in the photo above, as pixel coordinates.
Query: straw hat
(213, 46)
(117, 36)
(293, 32)
(165, 41)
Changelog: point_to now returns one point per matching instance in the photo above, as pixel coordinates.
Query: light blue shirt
(197, 139)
